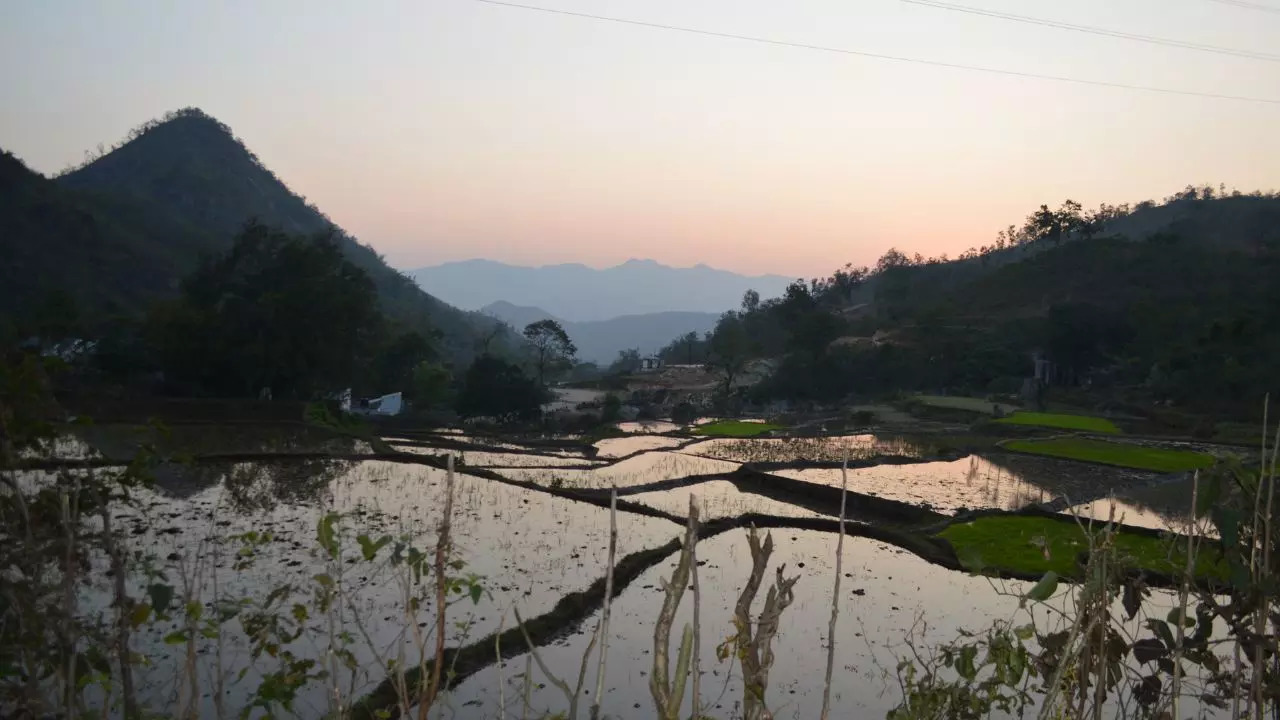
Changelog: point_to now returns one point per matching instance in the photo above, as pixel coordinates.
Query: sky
(439, 130)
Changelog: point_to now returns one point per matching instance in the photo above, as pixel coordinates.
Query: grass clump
(1035, 545)
(735, 428)
(1065, 422)
(1137, 457)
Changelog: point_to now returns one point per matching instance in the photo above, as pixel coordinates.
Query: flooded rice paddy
(889, 598)
(528, 549)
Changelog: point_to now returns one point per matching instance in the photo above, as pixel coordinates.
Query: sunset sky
(448, 129)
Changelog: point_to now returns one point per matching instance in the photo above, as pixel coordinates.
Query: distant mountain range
(600, 341)
(122, 230)
(579, 293)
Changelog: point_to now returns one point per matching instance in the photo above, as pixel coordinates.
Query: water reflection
(648, 426)
(1002, 481)
(620, 447)
(639, 470)
(720, 499)
(530, 547)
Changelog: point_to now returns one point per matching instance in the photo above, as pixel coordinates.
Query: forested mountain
(579, 293)
(600, 341)
(124, 227)
(1170, 302)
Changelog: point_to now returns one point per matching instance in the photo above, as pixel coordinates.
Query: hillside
(600, 341)
(96, 248)
(1172, 303)
(580, 293)
(128, 224)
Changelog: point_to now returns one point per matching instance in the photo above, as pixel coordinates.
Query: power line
(1098, 31)
(1249, 5)
(879, 56)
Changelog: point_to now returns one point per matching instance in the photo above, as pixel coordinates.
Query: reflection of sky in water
(970, 482)
(720, 499)
(619, 447)
(639, 470)
(887, 594)
(648, 426)
(530, 547)
(1161, 505)
(533, 548)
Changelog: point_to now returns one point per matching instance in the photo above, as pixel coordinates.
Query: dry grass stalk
(755, 649)
(441, 564)
(571, 694)
(1184, 591)
(669, 695)
(835, 593)
(697, 632)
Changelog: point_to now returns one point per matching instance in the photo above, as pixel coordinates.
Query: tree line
(286, 316)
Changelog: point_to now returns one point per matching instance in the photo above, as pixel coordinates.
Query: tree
(728, 349)
(495, 388)
(396, 362)
(628, 361)
(430, 384)
(551, 346)
(276, 311)
(750, 302)
(611, 409)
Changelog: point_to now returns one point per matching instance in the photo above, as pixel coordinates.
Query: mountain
(124, 228)
(600, 341)
(580, 293)
(109, 254)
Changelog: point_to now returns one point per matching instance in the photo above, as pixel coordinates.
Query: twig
(660, 685)
(1182, 597)
(442, 551)
(697, 633)
(603, 628)
(502, 683)
(835, 592)
(537, 657)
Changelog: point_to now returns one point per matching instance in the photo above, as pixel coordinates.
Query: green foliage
(688, 349)
(1066, 422)
(735, 428)
(396, 360)
(495, 388)
(430, 385)
(1109, 453)
(729, 350)
(278, 312)
(1038, 545)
